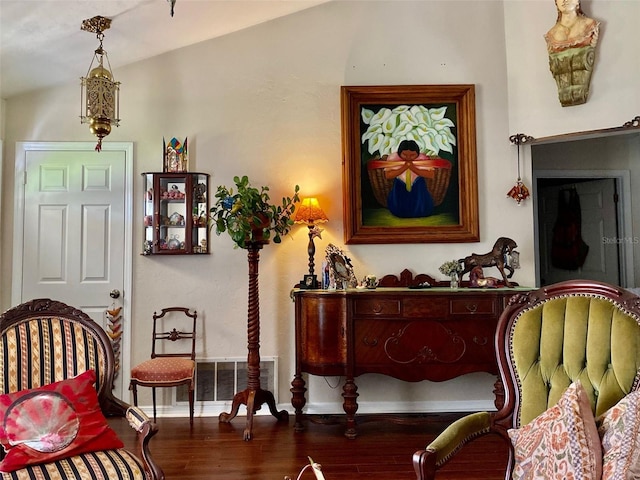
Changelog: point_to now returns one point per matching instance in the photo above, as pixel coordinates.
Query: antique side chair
(167, 367)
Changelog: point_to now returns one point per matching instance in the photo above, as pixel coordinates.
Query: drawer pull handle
(480, 340)
(472, 307)
(377, 308)
(370, 343)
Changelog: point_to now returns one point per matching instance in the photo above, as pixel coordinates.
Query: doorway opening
(602, 226)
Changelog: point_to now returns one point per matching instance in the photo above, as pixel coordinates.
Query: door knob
(114, 293)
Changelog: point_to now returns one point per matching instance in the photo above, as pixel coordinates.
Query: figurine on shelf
(501, 250)
(200, 193)
(175, 156)
(478, 280)
(370, 282)
(176, 219)
(174, 243)
(173, 193)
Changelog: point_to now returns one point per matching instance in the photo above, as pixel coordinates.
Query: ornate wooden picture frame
(341, 273)
(410, 169)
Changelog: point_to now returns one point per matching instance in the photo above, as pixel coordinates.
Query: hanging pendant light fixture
(519, 192)
(100, 93)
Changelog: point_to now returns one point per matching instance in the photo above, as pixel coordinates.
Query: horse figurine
(495, 258)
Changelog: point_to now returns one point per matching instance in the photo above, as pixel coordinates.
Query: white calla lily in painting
(428, 127)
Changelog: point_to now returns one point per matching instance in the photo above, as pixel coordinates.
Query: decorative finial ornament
(519, 192)
(633, 123)
(316, 232)
(100, 93)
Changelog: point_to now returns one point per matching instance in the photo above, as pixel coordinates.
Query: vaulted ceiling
(41, 43)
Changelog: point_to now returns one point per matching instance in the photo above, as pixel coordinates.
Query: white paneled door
(76, 231)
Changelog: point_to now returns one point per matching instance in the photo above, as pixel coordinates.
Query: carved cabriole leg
(298, 399)
(239, 398)
(251, 408)
(350, 405)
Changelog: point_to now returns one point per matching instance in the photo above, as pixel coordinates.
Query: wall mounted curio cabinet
(175, 216)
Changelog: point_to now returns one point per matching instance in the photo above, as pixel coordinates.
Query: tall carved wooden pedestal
(253, 396)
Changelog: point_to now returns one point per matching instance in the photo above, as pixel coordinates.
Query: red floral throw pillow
(52, 422)
(561, 443)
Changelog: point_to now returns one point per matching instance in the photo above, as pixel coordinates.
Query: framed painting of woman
(409, 171)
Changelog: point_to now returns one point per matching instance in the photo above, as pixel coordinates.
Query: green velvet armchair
(545, 340)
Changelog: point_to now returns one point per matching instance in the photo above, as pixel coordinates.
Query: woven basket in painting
(437, 185)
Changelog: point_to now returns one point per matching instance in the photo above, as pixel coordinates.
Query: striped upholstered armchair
(57, 372)
(569, 361)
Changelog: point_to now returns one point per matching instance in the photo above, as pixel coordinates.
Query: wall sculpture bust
(571, 44)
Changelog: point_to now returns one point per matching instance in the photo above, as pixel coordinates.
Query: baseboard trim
(333, 408)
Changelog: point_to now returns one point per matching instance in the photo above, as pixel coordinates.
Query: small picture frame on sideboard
(309, 282)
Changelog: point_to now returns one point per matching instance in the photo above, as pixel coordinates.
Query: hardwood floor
(382, 451)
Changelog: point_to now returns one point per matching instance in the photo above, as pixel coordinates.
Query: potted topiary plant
(251, 221)
(247, 215)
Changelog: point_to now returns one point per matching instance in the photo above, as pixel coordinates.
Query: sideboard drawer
(473, 306)
(377, 306)
(414, 350)
(428, 307)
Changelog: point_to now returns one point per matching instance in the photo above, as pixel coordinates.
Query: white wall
(265, 102)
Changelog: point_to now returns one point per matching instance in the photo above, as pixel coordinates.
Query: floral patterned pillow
(619, 429)
(560, 443)
(52, 422)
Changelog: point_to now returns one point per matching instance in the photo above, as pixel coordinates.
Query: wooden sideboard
(410, 334)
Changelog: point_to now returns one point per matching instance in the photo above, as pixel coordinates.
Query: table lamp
(309, 212)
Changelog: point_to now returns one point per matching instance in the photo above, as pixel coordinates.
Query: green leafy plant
(451, 267)
(247, 215)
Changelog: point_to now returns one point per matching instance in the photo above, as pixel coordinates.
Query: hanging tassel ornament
(519, 192)
(114, 331)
